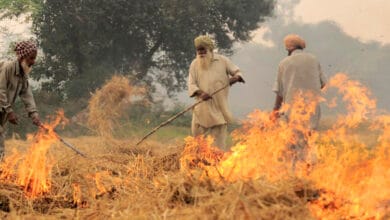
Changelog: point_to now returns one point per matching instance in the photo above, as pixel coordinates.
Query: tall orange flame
(32, 170)
(351, 176)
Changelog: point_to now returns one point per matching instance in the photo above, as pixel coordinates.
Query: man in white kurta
(208, 73)
(299, 74)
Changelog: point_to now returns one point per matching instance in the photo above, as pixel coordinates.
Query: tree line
(84, 42)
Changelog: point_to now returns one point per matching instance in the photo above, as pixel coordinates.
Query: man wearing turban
(209, 72)
(13, 83)
(299, 78)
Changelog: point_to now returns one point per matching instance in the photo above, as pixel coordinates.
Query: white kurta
(300, 72)
(214, 111)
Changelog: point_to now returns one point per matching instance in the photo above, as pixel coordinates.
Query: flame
(358, 99)
(352, 178)
(98, 181)
(199, 152)
(32, 170)
(104, 182)
(76, 194)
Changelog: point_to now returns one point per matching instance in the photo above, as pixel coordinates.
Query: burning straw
(32, 170)
(107, 104)
(349, 180)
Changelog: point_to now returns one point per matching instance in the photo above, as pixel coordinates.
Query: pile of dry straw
(107, 104)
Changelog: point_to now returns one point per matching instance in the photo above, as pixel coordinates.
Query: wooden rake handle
(177, 115)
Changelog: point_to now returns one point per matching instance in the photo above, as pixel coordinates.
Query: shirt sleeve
(28, 98)
(278, 86)
(323, 79)
(4, 103)
(231, 68)
(192, 82)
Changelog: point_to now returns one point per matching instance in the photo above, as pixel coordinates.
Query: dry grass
(107, 104)
(118, 181)
(166, 180)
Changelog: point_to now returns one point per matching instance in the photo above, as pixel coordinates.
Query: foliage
(85, 41)
(12, 8)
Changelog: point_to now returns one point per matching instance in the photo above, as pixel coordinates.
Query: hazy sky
(350, 36)
(364, 19)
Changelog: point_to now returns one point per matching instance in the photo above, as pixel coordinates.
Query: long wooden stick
(64, 142)
(178, 115)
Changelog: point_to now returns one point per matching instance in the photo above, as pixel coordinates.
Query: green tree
(10, 8)
(85, 41)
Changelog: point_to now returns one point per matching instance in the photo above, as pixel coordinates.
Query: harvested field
(343, 176)
(117, 181)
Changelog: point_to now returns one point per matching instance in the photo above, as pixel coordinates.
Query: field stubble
(120, 181)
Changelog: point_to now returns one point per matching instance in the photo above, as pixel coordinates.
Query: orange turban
(293, 41)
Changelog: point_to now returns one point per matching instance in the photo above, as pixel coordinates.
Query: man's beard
(26, 69)
(205, 61)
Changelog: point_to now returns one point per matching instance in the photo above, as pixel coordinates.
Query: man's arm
(323, 79)
(278, 89)
(193, 88)
(275, 112)
(28, 100)
(4, 102)
(278, 102)
(233, 71)
(236, 78)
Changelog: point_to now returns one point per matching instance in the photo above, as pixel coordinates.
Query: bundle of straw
(107, 104)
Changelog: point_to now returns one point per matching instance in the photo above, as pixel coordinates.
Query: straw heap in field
(107, 104)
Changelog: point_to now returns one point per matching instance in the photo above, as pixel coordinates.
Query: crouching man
(13, 83)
